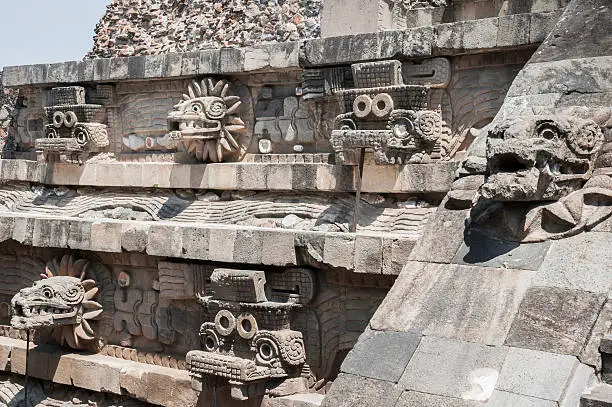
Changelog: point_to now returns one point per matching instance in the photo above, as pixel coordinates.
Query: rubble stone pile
(146, 27)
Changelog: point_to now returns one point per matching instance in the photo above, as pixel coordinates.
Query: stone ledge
(153, 384)
(361, 253)
(227, 61)
(462, 37)
(411, 178)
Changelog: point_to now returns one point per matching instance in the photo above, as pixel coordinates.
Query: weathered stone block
(79, 235)
(590, 354)
(23, 230)
(538, 78)
(6, 228)
(296, 400)
(368, 254)
(513, 30)
(5, 357)
(541, 24)
(505, 399)
(462, 370)
(537, 374)
(418, 399)
(354, 391)
(196, 242)
(190, 63)
(119, 68)
(468, 303)
(136, 67)
(400, 255)
(221, 244)
(50, 233)
(231, 60)
(381, 355)
(89, 374)
(278, 248)
(154, 66)
(165, 240)
(134, 237)
(555, 320)
(598, 396)
(208, 62)
(418, 42)
(248, 246)
(579, 262)
(442, 236)
(339, 250)
(133, 382)
(168, 388)
(172, 64)
(582, 380)
(479, 248)
(106, 236)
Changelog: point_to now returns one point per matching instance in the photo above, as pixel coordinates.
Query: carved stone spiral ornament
(292, 347)
(429, 126)
(587, 138)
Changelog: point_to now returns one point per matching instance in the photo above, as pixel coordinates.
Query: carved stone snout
(49, 303)
(539, 158)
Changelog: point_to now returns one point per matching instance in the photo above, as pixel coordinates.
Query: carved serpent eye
(47, 292)
(267, 350)
(197, 107)
(547, 130)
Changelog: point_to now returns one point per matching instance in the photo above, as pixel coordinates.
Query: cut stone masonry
(416, 212)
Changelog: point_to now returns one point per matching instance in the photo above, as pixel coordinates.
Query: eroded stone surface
(390, 353)
(450, 301)
(535, 373)
(555, 320)
(351, 390)
(462, 370)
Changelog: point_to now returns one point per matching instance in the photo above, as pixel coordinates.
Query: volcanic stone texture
(137, 27)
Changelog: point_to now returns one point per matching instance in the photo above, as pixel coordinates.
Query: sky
(42, 31)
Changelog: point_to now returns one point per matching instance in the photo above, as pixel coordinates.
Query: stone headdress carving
(207, 121)
(63, 300)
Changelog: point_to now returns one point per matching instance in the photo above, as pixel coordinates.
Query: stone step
(599, 396)
(296, 400)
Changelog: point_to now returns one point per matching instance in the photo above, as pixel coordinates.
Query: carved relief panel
(282, 122)
(391, 117)
(278, 332)
(206, 119)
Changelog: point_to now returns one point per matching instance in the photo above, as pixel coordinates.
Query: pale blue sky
(39, 31)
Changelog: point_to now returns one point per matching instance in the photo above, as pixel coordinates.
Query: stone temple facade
(413, 210)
